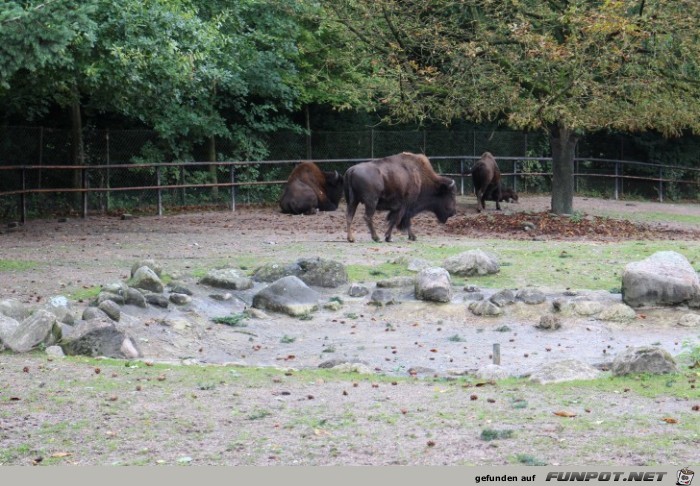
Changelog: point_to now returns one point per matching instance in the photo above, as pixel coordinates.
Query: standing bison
(403, 184)
(487, 181)
(309, 189)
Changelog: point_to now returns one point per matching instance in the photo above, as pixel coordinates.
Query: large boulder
(288, 295)
(227, 278)
(312, 271)
(560, 371)
(15, 309)
(433, 284)
(8, 326)
(146, 279)
(150, 263)
(60, 306)
(643, 359)
(472, 262)
(665, 278)
(37, 329)
(100, 338)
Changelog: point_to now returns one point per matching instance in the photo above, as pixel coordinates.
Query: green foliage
(493, 434)
(234, 320)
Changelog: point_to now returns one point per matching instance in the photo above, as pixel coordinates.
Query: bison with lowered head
(507, 195)
(403, 184)
(487, 181)
(310, 189)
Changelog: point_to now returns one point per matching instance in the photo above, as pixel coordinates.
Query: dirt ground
(272, 420)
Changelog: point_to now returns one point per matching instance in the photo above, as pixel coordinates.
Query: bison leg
(480, 204)
(349, 215)
(393, 219)
(369, 215)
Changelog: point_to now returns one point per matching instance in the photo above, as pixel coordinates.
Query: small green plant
(287, 339)
(577, 217)
(336, 299)
(351, 315)
(306, 317)
(692, 350)
(529, 460)
(234, 320)
(503, 329)
(258, 414)
(329, 349)
(456, 338)
(493, 434)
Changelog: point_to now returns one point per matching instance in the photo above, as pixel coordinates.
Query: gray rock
(100, 338)
(644, 359)
(473, 296)
(39, 328)
(146, 279)
(110, 308)
(8, 326)
(271, 272)
(116, 298)
(689, 320)
(288, 295)
(567, 370)
(322, 273)
(180, 299)
(587, 307)
(118, 288)
(55, 352)
(181, 289)
(382, 297)
(492, 372)
(503, 298)
(618, 313)
(357, 290)
(665, 278)
(418, 264)
(94, 313)
(157, 300)
(150, 263)
(227, 278)
(221, 297)
(15, 309)
(433, 284)
(60, 306)
(531, 296)
(396, 282)
(472, 262)
(359, 368)
(485, 308)
(549, 322)
(134, 297)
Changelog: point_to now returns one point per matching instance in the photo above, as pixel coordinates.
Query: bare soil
(414, 410)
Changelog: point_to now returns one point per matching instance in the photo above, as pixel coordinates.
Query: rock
(8, 326)
(357, 290)
(433, 284)
(473, 296)
(358, 368)
(396, 282)
(255, 313)
(472, 262)
(94, 313)
(587, 307)
(288, 295)
(271, 272)
(689, 320)
(157, 300)
(39, 328)
(100, 338)
(333, 305)
(485, 308)
(560, 371)
(382, 297)
(15, 309)
(146, 279)
(55, 352)
(227, 278)
(110, 308)
(503, 298)
(531, 296)
(549, 322)
(417, 264)
(134, 297)
(322, 273)
(665, 278)
(492, 372)
(644, 359)
(471, 289)
(221, 297)
(118, 288)
(180, 299)
(618, 313)
(181, 289)
(150, 263)
(116, 298)
(60, 306)
(335, 362)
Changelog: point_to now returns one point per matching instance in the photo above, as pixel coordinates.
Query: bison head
(447, 199)
(334, 186)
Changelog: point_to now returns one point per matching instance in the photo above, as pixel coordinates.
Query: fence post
(617, 181)
(496, 354)
(661, 184)
(577, 167)
(23, 198)
(160, 192)
(182, 181)
(515, 175)
(85, 190)
(41, 154)
(233, 188)
(109, 193)
(461, 179)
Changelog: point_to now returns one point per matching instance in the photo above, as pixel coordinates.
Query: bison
(403, 184)
(507, 195)
(487, 181)
(310, 189)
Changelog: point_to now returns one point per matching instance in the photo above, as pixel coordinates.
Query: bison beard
(403, 184)
(310, 189)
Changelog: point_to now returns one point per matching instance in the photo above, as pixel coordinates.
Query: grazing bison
(403, 184)
(507, 195)
(309, 189)
(487, 181)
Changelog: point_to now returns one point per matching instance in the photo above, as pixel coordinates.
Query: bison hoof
(412, 237)
(388, 239)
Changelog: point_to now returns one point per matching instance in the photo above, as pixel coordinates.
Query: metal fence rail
(150, 187)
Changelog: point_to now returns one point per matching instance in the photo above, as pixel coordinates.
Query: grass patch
(493, 434)
(234, 320)
(17, 265)
(84, 294)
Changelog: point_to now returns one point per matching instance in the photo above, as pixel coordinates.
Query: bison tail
(347, 188)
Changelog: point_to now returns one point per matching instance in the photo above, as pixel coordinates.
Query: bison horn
(337, 176)
(452, 183)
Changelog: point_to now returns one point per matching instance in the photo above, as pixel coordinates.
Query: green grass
(17, 265)
(652, 217)
(85, 294)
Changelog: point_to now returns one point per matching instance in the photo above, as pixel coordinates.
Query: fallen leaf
(60, 454)
(564, 413)
(669, 420)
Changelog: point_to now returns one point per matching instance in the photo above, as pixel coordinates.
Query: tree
(566, 66)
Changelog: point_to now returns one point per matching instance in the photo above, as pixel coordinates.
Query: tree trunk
(563, 142)
(211, 157)
(77, 150)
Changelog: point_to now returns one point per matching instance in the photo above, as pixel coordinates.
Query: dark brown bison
(507, 195)
(403, 184)
(486, 177)
(310, 189)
